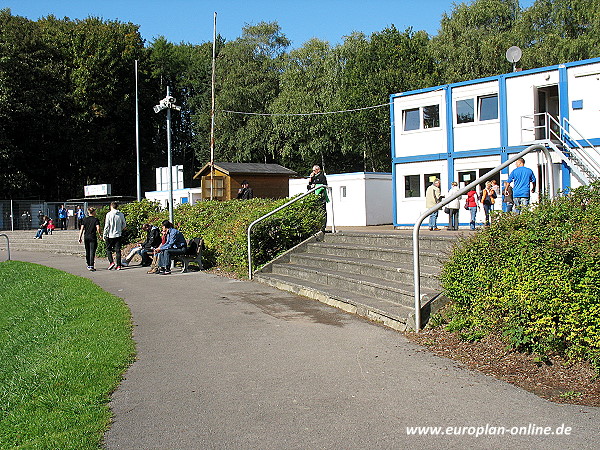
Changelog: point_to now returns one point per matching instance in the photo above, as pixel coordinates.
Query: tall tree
(555, 31)
(247, 81)
(473, 40)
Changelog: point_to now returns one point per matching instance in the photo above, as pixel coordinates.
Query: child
(50, 226)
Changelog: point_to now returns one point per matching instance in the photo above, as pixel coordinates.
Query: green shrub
(534, 277)
(223, 227)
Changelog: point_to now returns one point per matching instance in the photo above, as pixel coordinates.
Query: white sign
(97, 189)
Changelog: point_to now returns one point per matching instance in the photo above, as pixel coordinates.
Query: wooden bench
(193, 255)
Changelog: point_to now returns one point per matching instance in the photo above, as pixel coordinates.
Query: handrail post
(294, 200)
(7, 245)
(460, 192)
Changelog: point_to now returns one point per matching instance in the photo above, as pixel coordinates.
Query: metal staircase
(565, 141)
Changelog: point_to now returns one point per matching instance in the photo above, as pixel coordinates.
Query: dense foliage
(62, 353)
(533, 277)
(223, 227)
(67, 91)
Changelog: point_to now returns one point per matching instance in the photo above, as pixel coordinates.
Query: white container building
(459, 131)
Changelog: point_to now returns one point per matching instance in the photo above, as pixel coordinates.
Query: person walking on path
(521, 178)
(62, 217)
(433, 195)
(88, 233)
(114, 224)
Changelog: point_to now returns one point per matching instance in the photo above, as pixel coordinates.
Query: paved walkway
(234, 364)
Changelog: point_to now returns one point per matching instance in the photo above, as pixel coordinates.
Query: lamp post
(168, 103)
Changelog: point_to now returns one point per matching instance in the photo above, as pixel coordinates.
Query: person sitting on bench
(146, 248)
(174, 245)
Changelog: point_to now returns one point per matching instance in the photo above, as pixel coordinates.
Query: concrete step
(387, 270)
(428, 257)
(376, 288)
(390, 314)
(62, 241)
(373, 270)
(394, 240)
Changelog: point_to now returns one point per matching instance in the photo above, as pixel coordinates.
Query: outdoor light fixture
(168, 103)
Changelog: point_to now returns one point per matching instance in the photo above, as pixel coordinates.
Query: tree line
(67, 91)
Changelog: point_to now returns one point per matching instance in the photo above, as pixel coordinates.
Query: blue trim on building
(393, 155)
(497, 77)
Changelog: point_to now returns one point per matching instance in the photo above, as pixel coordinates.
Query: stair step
(429, 257)
(389, 270)
(365, 285)
(389, 313)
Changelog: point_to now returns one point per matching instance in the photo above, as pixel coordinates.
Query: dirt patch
(557, 379)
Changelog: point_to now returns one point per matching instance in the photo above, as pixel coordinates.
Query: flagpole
(212, 110)
(137, 136)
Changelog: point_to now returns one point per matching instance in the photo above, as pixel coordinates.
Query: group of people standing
(160, 247)
(515, 197)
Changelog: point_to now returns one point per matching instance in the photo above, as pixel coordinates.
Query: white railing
(585, 160)
(417, 227)
(294, 200)
(7, 246)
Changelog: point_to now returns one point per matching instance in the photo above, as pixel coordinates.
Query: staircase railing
(7, 245)
(294, 200)
(585, 161)
(590, 154)
(486, 176)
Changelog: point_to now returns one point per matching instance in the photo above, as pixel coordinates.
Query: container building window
(488, 107)
(412, 119)
(412, 186)
(465, 111)
(431, 116)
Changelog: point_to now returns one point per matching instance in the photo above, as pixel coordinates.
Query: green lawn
(64, 345)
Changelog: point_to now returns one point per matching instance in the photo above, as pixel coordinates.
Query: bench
(192, 255)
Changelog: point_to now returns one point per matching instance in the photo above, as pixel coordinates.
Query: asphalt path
(227, 364)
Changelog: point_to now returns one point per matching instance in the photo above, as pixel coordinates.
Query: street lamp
(168, 103)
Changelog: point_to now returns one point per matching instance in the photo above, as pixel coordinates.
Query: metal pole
(137, 136)
(12, 222)
(212, 108)
(169, 162)
(417, 226)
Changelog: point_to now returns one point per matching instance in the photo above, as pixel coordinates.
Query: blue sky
(192, 20)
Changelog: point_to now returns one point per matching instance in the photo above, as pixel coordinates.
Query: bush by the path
(223, 227)
(535, 277)
(64, 345)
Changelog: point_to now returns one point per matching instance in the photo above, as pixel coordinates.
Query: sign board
(97, 189)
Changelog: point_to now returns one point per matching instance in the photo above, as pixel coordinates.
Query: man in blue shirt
(62, 217)
(521, 177)
(174, 245)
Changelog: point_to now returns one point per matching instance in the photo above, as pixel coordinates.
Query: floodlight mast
(168, 103)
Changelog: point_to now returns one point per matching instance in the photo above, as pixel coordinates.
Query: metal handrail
(560, 136)
(294, 200)
(417, 226)
(589, 159)
(7, 245)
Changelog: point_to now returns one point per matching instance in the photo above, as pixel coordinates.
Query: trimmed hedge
(223, 226)
(534, 277)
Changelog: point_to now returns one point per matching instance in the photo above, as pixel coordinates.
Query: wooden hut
(266, 180)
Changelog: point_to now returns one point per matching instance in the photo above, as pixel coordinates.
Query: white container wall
(359, 199)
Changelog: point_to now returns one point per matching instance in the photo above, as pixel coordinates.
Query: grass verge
(64, 345)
